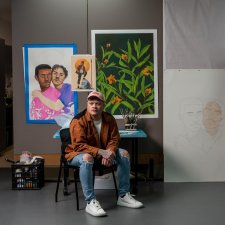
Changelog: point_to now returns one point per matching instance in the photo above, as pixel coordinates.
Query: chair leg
(75, 173)
(93, 178)
(58, 181)
(115, 183)
(65, 179)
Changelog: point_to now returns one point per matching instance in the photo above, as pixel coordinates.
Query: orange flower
(111, 79)
(146, 71)
(148, 91)
(116, 100)
(105, 61)
(124, 57)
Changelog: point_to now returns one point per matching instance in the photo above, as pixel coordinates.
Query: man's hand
(108, 156)
(107, 162)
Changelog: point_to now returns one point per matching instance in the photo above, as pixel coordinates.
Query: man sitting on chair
(94, 134)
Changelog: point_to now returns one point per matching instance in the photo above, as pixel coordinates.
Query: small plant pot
(130, 126)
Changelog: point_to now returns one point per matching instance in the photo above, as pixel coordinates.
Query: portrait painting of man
(83, 73)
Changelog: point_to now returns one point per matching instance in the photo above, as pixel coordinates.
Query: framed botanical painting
(126, 70)
(83, 72)
(47, 75)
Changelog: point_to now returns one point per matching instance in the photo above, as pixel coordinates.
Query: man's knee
(88, 158)
(125, 153)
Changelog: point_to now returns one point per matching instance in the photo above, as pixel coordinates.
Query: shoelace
(130, 197)
(96, 204)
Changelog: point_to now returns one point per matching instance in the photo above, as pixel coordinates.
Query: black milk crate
(28, 176)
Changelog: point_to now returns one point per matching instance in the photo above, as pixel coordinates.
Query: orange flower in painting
(124, 57)
(148, 91)
(146, 71)
(111, 79)
(106, 61)
(116, 100)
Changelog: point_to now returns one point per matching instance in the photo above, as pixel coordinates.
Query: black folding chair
(97, 167)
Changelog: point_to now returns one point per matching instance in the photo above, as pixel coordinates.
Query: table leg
(135, 163)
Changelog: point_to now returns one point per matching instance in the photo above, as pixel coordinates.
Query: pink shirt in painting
(39, 111)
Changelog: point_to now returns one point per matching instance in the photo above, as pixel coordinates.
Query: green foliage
(126, 78)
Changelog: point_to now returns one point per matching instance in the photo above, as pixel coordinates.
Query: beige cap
(96, 94)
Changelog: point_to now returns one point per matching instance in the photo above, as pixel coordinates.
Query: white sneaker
(94, 208)
(129, 201)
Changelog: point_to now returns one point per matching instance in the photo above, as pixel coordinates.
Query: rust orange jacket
(85, 138)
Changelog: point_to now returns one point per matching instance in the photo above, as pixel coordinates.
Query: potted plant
(130, 119)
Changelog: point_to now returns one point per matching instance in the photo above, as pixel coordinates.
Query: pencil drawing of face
(212, 117)
(191, 114)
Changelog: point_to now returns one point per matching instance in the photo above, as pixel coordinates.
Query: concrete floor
(165, 204)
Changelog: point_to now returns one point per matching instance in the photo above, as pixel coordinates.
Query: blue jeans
(86, 174)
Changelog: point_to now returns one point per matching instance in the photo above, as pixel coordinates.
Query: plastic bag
(25, 157)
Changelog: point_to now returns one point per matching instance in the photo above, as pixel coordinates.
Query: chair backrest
(65, 133)
(65, 139)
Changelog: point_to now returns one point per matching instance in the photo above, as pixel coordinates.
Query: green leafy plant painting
(126, 71)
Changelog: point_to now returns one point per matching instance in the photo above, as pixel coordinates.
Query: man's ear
(36, 77)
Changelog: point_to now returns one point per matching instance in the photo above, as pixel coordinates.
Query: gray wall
(2, 95)
(71, 21)
(5, 21)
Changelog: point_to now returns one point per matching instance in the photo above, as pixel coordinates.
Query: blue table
(123, 134)
(134, 135)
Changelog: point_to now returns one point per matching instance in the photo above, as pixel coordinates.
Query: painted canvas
(47, 75)
(83, 73)
(126, 70)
